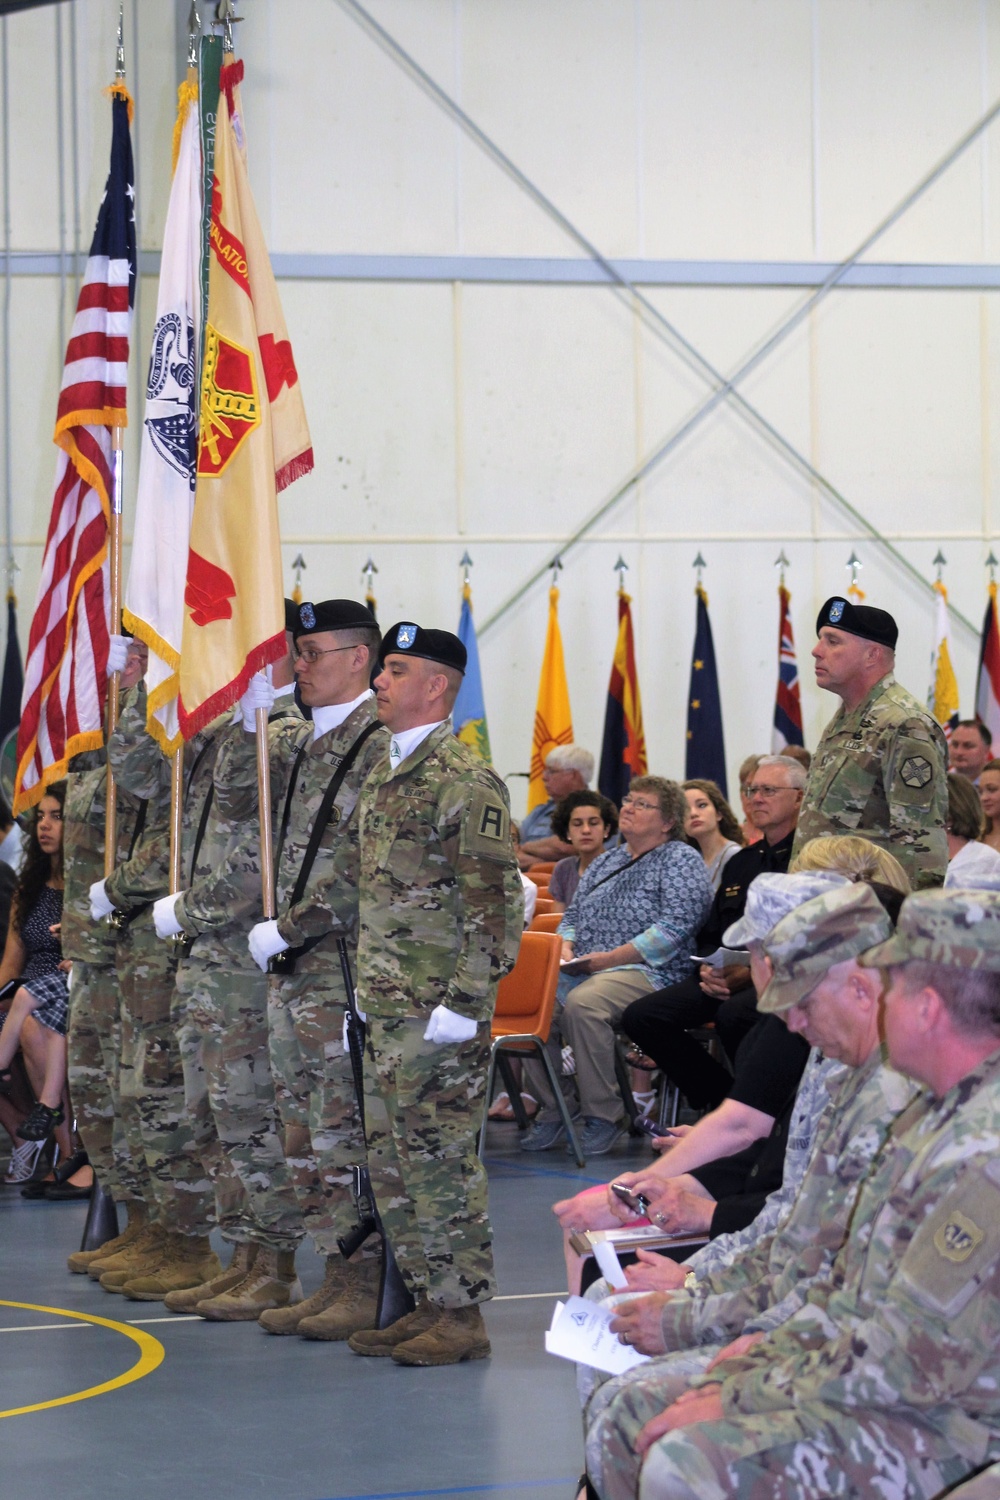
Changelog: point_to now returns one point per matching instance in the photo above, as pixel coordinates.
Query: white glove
(361, 1017)
(117, 653)
(446, 1028)
(264, 942)
(260, 694)
(100, 903)
(165, 916)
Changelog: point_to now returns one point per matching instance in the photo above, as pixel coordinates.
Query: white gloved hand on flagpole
(165, 916)
(118, 652)
(101, 904)
(260, 694)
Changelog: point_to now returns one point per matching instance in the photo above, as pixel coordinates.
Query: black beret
(859, 619)
(291, 615)
(332, 614)
(432, 645)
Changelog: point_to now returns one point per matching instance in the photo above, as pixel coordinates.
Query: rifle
(394, 1298)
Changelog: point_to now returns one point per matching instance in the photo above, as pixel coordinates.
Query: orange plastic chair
(544, 905)
(522, 1020)
(548, 921)
(543, 867)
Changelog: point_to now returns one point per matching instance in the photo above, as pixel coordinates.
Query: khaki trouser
(586, 1021)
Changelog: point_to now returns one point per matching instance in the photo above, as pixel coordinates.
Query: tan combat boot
(187, 1261)
(186, 1301)
(138, 1217)
(380, 1342)
(287, 1319)
(356, 1307)
(271, 1283)
(459, 1333)
(144, 1253)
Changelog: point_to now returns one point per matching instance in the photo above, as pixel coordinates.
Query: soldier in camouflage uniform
(110, 1135)
(222, 1016)
(820, 990)
(442, 911)
(885, 1381)
(178, 1254)
(881, 766)
(336, 642)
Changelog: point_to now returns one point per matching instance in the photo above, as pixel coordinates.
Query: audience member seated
(628, 929)
(969, 749)
(821, 988)
(968, 859)
(854, 856)
(799, 753)
(751, 833)
(659, 1023)
(32, 960)
(989, 796)
(711, 824)
(584, 820)
(568, 768)
(769, 1069)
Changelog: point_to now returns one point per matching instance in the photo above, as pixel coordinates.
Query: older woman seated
(629, 930)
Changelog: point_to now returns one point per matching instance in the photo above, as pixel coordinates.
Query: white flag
(154, 596)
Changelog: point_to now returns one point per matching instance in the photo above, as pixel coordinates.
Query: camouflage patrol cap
(957, 928)
(859, 619)
(771, 896)
(804, 946)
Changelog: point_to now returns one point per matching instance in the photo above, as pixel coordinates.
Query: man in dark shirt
(658, 1023)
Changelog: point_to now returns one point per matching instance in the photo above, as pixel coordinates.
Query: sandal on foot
(41, 1122)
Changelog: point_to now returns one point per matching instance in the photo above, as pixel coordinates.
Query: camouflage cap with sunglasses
(770, 896)
(838, 925)
(957, 928)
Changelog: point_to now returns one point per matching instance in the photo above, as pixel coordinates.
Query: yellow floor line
(151, 1355)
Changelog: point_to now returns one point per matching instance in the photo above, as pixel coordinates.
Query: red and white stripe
(96, 370)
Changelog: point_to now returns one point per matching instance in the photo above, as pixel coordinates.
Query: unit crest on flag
(230, 406)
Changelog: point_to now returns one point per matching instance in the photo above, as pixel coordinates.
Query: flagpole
(227, 17)
(117, 475)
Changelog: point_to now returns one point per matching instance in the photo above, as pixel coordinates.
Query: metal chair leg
(561, 1104)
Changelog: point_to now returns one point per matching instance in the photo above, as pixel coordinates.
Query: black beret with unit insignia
(332, 614)
(859, 619)
(291, 615)
(407, 639)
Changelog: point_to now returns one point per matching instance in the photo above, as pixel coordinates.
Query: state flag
(553, 719)
(706, 751)
(623, 750)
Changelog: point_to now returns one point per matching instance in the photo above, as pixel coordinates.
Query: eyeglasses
(767, 791)
(639, 805)
(310, 654)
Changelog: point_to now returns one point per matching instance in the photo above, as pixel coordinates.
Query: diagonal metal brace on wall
(724, 389)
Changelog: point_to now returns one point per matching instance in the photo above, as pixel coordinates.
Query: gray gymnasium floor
(231, 1413)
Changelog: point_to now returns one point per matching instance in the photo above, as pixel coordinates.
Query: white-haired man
(568, 768)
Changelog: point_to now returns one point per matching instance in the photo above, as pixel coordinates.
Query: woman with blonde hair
(854, 856)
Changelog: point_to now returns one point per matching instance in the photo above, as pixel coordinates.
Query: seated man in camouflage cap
(886, 1381)
(881, 766)
(818, 988)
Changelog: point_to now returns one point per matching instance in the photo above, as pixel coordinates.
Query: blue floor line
(465, 1489)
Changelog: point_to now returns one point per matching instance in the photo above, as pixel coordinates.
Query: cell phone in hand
(637, 1202)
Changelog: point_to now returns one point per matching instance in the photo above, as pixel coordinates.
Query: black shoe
(41, 1122)
(65, 1192)
(71, 1166)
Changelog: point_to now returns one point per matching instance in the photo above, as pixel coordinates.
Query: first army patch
(486, 828)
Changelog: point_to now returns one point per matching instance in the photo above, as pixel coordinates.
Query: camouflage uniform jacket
(328, 908)
(222, 894)
(442, 907)
(764, 1287)
(910, 1316)
(880, 770)
(84, 940)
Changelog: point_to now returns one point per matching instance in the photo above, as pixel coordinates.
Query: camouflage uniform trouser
(229, 1093)
(110, 1134)
(816, 1452)
(152, 1081)
(423, 1108)
(315, 1091)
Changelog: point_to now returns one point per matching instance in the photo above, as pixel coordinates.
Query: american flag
(66, 671)
(787, 703)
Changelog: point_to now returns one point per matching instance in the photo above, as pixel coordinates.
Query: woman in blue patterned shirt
(629, 930)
